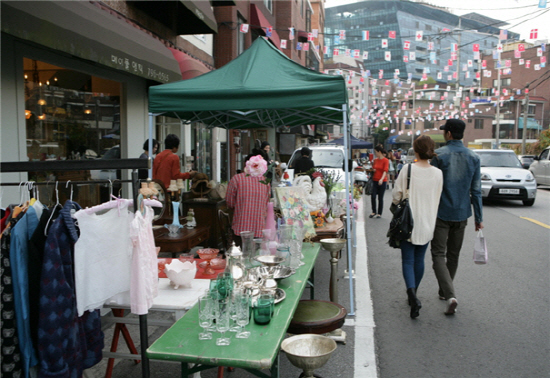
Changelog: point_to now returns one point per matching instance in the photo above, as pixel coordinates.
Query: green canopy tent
(260, 88)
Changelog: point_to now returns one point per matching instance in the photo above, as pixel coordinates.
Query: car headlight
(485, 177)
(529, 177)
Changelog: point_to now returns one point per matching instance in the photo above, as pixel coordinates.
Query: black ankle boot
(414, 303)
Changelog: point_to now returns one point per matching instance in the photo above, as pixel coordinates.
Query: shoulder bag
(402, 223)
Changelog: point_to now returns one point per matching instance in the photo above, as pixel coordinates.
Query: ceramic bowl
(181, 274)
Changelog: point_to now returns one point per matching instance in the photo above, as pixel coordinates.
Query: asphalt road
(501, 328)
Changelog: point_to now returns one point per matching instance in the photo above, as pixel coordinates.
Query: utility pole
(525, 111)
(498, 102)
(413, 115)
(458, 56)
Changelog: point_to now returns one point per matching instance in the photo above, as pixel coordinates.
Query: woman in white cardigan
(424, 193)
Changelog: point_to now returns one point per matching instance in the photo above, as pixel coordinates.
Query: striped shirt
(248, 197)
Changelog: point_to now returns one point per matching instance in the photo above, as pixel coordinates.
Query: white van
(328, 157)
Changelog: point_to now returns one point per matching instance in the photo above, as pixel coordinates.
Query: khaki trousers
(446, 245)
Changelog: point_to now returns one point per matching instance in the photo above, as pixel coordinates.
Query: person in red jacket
(380, 165)
(167, 163)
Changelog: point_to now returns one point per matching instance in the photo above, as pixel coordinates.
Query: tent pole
(349, 197)
(150, 147)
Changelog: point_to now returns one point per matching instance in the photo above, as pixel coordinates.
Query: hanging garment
(144, 281)
(19, 256)
(103, 256)
(68, 344)
(36, 260)
(10, 362)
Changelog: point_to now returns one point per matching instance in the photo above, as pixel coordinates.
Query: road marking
(536, 222)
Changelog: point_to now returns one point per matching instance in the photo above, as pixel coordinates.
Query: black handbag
(402, 223)
(368, 187)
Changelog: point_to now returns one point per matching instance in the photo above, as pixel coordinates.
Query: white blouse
(424, 194)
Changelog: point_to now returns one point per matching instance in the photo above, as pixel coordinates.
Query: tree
(380, 135)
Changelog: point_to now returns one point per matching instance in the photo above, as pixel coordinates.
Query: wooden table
(186, 238)
(260, 351)
(330, 230)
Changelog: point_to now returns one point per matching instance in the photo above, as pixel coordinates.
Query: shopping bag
(480, 249)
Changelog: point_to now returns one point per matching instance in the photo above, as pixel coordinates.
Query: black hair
(264, 145)
(424, 146)
(146, 144)
(381, 149)
(255, 152)
(171, 141)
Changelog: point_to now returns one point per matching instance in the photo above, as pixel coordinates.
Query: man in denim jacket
(461, 190)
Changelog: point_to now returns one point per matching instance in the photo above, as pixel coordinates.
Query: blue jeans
(412, 258)
(377, 191)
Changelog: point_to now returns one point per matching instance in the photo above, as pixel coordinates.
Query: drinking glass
(224, 284)
(214, 308)
(243, 316)
(283, 250)
(205, 316)
(263, 311)
(247, 246)
(222, 321)
(233, 309)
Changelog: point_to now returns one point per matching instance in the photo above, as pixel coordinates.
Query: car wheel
(529, 202)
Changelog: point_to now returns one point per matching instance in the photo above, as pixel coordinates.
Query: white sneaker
(451, 306)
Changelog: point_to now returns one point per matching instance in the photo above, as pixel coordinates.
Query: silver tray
(280, 295)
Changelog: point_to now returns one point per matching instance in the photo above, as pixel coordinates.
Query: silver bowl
(279, 272)
(269, 260)
(333, 245)
(308, 351)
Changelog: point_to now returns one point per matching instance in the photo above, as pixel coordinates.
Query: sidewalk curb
(365, 355)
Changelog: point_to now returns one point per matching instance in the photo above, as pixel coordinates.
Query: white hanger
(114, 202)
(53, 209)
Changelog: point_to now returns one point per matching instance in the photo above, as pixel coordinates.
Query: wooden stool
(316, 316)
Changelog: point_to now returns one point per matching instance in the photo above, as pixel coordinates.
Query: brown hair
(424, 146)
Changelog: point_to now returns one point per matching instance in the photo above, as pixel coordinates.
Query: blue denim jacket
(461, 182)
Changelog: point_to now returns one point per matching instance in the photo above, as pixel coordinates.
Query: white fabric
(144, 276)
(103, 256)
(424, 194)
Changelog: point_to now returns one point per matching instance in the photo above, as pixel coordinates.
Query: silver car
(503, 177)
(540, 167)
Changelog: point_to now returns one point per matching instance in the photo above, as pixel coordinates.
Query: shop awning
(258, 18)
(437, 138)
(240, 95)
(531, 124)
(189, 66)
(391, 140)
(88, 31)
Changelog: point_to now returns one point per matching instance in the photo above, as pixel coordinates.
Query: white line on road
(365, 356)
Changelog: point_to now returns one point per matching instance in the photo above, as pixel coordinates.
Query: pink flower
(256, 166)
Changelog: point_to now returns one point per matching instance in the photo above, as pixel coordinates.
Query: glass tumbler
(264, 309)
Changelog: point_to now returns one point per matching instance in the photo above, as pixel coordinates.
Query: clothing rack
(77, 165)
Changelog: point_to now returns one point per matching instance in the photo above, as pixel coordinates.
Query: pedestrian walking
(461, 190)
(426, 184)
(392, 167)
(380, 166)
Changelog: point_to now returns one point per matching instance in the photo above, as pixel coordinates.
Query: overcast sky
(521, 15)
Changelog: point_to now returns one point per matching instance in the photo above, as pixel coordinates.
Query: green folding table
(259, 352)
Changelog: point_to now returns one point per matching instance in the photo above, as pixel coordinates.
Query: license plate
(508, 191)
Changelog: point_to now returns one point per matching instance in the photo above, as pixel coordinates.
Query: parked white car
(540, 167)
(503, 177)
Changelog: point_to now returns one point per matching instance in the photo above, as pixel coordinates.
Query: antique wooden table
(329, 231)
(260, 351)
(186, 239)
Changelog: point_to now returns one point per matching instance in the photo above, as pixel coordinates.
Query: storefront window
(70, 115)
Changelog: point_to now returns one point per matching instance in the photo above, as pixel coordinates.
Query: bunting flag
(309, 37)
(503, 34)
(539, 51)
(269, 31)
(305, 46)
(291, 34)
(454, 46)
(315, 33)
(335, 52)
(433, 57)
(283, 45)
(450, 62)
(476, 55)
(380, 74)
(431, 45)
(342, 34)
(478, 76)
(412, 55)
(542, 3)
(484, 64)
(475, 47)
(454, 56)
(405, 58)
(542, 59)
(495, 54)
(543, 47)
(439, 76)
(356, 53)
(470, 63)
(508, 63)
(299, 46)
(391, 34)
(521, 47)
(348, 52)
(387, 55)
(243, 28)
(445, 30)
(446, 68)
(534, 34)
(365, 35)
(384, 43)
(455, 75)
(537, 67)
(406, 45)
(325, 49)
(517, 54)
(365, 55)
(418, 36)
